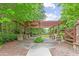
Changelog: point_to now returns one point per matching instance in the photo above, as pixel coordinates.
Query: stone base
(20, 37)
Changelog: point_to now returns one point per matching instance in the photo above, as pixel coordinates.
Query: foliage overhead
(21, 12)
(69, 14)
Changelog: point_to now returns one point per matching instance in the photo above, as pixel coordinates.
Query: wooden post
(77, 33)
(76, 39)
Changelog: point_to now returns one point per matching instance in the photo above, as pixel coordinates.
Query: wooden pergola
(73, 33)
(42, 24)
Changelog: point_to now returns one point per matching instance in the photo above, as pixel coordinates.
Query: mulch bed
(12, 49)
(63, 49)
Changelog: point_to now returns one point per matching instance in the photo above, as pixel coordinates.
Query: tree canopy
(21, 12)
(69, 14)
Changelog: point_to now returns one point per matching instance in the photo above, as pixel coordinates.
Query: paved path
(64, 49)
(41, 49)
(38, 51)
(13, 49)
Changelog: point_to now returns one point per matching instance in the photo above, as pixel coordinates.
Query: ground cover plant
(38, 40)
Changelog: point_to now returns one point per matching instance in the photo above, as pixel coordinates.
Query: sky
(52, 11)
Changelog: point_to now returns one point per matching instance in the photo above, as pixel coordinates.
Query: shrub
(38, 40)
(1, 41)
(5, 37)
(8, 37)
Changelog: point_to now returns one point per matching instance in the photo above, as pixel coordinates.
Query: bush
(38, 40)
(5, 37)
(1, 41)
(8, 37)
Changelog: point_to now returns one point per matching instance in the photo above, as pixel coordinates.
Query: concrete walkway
(41, 49)
(38, 51)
